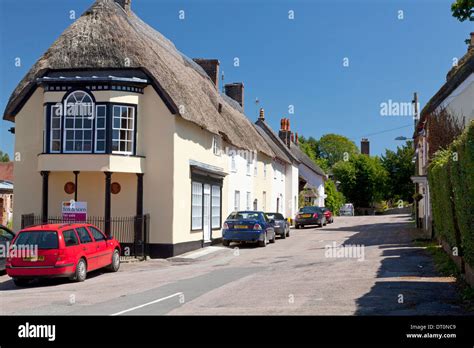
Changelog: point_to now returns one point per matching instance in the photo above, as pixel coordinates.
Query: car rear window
(244, 216)
(70, 238)
(275, 216)
(43, 239)
(310, 210)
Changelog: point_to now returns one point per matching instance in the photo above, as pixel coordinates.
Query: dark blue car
(248, 226)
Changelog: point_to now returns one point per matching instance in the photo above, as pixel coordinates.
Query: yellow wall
(155, 140)
(28, 144)
(191, 142)
(262, 183)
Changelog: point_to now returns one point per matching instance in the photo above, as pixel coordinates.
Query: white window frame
(216, 148)
(130, 131)
(51, 129)
(67, 117)
(197, 214)
(215, 206)
(233, 164)
(236, 200)
(249, 200)
(96, 138)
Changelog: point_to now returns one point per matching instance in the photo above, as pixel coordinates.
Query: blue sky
(283, 62)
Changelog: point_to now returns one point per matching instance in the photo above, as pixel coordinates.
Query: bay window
(80, 125)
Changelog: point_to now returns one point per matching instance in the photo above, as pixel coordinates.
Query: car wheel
(302, 226)
(21, 282)
(283, 236)
(81, 271)
(115, 265)
(274, 238)
(263, 243)
(297, 227)
(325, 222)
(225, 243)
(288, 233)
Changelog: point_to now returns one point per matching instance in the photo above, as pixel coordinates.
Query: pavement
(363, 265)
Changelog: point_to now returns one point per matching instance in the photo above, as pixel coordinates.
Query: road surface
(363, 265)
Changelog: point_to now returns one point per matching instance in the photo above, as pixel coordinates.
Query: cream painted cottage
(122, 122)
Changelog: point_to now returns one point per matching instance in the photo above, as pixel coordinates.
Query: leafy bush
(462, 181)
(451, 179)
(334, 199)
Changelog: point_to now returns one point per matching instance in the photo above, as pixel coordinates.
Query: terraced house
(122, 121)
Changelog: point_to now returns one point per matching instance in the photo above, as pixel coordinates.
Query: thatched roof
(454, 78)
(106, 36)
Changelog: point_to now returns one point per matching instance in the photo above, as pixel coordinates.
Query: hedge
(451, 180)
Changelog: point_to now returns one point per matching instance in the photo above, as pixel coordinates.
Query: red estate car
(328, 215)
(64, 250)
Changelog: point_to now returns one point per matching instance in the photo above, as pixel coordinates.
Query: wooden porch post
(44, 205)
(76, 173)
(108, 198)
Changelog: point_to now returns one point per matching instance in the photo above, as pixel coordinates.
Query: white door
(207, 213)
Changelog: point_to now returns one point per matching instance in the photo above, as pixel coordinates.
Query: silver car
(281, 225)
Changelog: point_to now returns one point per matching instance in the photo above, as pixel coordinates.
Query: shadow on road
(407, 282)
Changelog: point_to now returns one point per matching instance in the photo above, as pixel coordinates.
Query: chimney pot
(235, 91)
(296, 138)
(287, 124)
(261, 116)
(211, 67)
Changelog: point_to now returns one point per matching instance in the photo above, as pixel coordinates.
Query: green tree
(334, 199)
(363, 179)
(463, 10)
(400, 168)
(334, 147)
(4, 157)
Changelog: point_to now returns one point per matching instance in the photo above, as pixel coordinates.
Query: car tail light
(315, 215)
(257, 227)
(225, 226)
(298, 216)
(60, 255)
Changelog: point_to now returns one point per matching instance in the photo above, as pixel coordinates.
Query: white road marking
(147, 304)
(202, 252)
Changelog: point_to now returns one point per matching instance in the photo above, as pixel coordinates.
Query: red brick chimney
(235, 91)
(285, 133)
(211, 67)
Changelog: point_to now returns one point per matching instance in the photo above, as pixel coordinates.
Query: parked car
(63, 250)
(347, 209)
(328, 214)
(310, 216)
(248, 226)
(6, 236)
(281, 225)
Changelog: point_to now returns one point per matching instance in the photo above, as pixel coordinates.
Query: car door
(6, 236)
(88, 247)
(104, 252)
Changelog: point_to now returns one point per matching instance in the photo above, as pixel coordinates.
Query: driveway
(357, 266)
